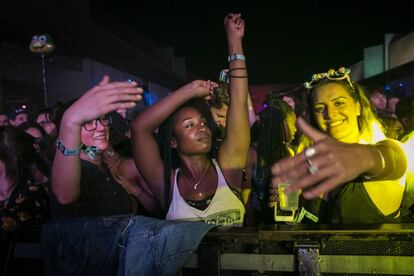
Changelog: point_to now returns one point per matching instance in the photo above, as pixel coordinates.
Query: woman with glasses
(43, 119)
(347, 164)
(81, 182)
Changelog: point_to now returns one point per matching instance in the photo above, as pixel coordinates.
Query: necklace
(199, 180)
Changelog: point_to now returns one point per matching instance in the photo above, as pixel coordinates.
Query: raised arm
(98, 101)
(146, 153)
(252, 113)
(232, 154)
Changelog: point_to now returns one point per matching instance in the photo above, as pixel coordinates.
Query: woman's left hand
(201, 88)
(103, 98)
(323, 166)
(234, 25)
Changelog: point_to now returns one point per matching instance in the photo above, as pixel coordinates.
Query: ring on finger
(312, 168)
(310, 152)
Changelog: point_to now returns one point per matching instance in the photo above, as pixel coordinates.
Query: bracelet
(90, 151)
(224, 76)
(67, 152)
(234, 57)
(237, 68)
(369, 177)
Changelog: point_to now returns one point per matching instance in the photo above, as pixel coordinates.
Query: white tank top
(225, 207)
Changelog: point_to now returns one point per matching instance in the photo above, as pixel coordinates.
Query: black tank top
(353, 205)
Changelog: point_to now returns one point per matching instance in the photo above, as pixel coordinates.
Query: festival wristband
(67, 152)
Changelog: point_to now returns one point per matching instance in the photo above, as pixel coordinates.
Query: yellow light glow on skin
(408, 147)
(246, 194)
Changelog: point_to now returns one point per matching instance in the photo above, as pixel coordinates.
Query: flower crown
(340, 74)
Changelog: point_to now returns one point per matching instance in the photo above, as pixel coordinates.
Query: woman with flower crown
(356, 175)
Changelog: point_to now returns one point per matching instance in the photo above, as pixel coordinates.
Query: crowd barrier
(386, 249)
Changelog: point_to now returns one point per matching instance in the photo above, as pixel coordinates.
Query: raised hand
(325, 165)
(201, 88)
(234, 26)
(104, 98)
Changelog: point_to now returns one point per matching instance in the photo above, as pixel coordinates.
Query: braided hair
(272, 137)
(169, 155)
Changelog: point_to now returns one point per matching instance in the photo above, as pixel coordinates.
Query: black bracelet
(238, 68)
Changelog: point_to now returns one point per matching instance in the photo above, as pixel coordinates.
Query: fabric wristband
(304, 213)
(67, 152)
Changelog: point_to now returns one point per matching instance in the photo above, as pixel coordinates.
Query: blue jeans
(119, 245)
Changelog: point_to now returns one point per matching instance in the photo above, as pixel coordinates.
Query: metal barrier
(308, 249)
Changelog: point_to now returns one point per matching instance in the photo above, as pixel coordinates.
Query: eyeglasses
(45, 123)
(92, 125)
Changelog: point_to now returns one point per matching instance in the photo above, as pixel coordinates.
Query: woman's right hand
(331, 164)
(102, 99)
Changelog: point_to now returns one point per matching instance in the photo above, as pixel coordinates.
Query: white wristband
(236, 57)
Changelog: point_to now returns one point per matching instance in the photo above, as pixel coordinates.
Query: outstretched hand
(234, 25)
(328, 164)
(104, 98)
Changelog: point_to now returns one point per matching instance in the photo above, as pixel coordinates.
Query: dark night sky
(284, 42)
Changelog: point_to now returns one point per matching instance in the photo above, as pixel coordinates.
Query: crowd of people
(202, 154)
